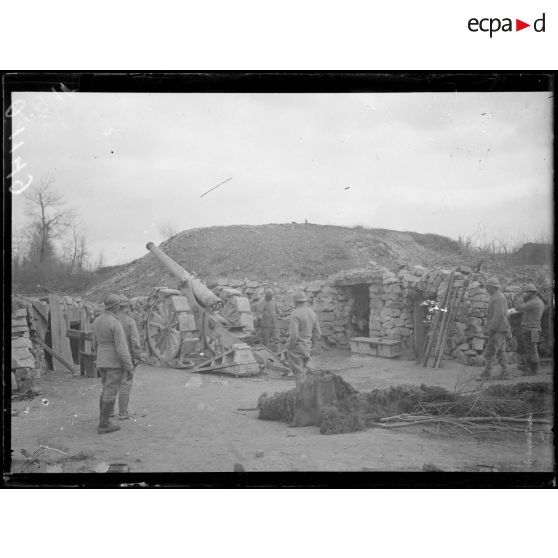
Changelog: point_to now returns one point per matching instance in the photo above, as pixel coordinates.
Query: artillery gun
(191, 327)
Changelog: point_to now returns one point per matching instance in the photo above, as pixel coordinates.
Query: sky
(457, 164)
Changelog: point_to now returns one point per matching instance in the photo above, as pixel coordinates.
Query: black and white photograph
(279, 273)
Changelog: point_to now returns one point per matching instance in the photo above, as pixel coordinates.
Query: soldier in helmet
(497, 330)
(304, 330)
(532, 307)
(134, 346)
(113, 359)
(270, 312)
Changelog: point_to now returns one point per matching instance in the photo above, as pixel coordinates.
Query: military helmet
(269, 291)
(124, 300)
(299, 296)
(493, 282)
(530, 288)
(111, 300)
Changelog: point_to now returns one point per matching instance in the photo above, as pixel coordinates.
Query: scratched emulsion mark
(215, 187)
(530, 441)
(22, 111)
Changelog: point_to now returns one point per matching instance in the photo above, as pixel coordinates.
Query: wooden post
(420, 329)
(451, 320)
(434, 325)
(443, 327)
(85, 325)
(60, 343)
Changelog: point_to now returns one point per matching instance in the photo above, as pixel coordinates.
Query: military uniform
(270, 312)
(498, 330)
(530, 330)
(134, 346)
(113, 360)
(304, 328)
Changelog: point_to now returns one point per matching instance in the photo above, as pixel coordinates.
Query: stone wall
(26, 358)
(393, 298)
(332, 306)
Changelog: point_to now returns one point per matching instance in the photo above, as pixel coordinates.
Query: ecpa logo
(494, 24)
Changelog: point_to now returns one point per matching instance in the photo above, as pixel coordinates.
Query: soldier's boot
(104, 419)
(123, 400)
(485, 375)
(534, 368)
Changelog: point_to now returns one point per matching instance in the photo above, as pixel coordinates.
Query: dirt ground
(186, 422)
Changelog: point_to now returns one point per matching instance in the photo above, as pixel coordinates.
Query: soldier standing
(134, 346)
(113, 359)
(532, 307)
(270, 321)
(304, 329)
(497, 329)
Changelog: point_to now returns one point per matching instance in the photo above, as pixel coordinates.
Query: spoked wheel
(163, 334)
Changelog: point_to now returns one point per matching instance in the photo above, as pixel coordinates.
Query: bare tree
(82, 253)
(50, 217)
(100, 261)
(168, 230)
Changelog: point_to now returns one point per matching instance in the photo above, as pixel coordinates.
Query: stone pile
(25, 358)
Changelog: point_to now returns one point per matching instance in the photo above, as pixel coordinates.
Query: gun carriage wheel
(163, 334)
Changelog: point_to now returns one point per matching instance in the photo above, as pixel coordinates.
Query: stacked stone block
(392, 298)
(24, 365)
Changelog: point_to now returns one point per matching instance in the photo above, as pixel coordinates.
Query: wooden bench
(375, 346)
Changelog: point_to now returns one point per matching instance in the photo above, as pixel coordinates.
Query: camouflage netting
(354, 410)
(281, 406)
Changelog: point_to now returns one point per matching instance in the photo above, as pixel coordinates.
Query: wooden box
(364, 345)
(389, 348)
(374, 346)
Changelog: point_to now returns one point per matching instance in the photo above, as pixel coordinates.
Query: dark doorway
(74, 343)
(360, 312)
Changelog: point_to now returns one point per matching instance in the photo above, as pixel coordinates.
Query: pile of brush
(333, 405)
(318, 390)
(362, 410)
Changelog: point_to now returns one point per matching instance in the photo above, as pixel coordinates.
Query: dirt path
(189, 422)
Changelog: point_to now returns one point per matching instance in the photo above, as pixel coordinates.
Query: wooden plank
(40, 324)
(451, 320)
(56, 356)
(85, 325)
(434, 329)
(40, 308)
(60, 343)
(420, 329)
(449, 305)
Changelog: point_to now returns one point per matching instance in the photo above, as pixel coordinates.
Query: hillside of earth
(282, 253)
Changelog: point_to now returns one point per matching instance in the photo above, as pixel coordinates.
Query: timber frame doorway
(360, 309)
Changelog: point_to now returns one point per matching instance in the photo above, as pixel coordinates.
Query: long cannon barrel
(204, 296)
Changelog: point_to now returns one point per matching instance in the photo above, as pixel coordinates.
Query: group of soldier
(119, 351)
(119, 348)
(304, 332)
(498, 328)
